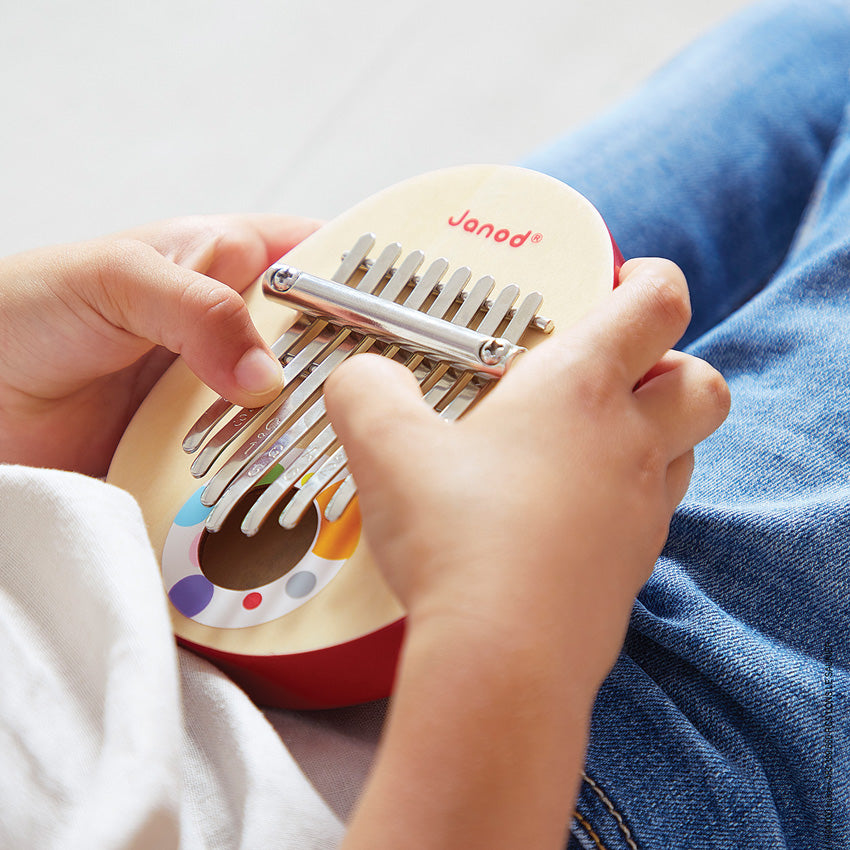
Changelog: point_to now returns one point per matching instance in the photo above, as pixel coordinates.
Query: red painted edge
(356, 671)
(618, 259)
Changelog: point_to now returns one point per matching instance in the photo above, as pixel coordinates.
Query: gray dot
(300, 584)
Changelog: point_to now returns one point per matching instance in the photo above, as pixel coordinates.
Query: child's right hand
(538, 517)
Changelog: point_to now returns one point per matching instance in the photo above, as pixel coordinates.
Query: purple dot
(191, 595)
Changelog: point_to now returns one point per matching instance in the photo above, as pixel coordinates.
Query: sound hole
(230, 559)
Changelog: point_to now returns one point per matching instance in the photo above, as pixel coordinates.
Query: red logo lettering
(473, 225)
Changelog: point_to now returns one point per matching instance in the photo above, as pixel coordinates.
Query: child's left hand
(88, 328)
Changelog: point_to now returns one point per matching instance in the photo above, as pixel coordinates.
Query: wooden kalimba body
(444, 273)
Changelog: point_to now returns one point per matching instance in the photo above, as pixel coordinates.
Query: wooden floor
(118, 113)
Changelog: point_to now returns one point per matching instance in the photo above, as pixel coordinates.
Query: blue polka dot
(300, 584)
(191, 595)
(193, 512)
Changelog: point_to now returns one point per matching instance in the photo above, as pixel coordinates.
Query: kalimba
(445, 273)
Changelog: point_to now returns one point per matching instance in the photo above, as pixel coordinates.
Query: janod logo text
(471, 224)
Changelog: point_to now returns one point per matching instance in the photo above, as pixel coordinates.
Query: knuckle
(719, 390)
(117, 257)
(712, 388)
(215, 307)
(112, 269)
(125, 250)
(667, 293)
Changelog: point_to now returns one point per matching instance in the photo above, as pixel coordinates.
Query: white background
(116, 113)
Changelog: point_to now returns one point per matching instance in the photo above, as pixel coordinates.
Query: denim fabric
(726, 720)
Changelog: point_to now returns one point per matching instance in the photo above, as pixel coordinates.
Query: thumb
(376, 408)
(202, 319)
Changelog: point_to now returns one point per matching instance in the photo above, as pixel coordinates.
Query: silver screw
(492, 352)
(283, 278)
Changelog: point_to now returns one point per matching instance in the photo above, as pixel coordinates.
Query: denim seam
(589, 830)
(626, 832)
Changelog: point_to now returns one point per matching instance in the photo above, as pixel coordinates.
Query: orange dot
(337, 541)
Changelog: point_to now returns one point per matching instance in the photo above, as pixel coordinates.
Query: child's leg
(732, 691)
(712, 162)
(724, 723)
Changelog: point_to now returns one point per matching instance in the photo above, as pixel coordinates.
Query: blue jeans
(726, 720)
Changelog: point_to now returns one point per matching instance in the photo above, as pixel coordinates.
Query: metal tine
(291, 475)
(495, 315)
(448, 295)
(299, 336)
(239, 422)
(320, 479)
(489, 324)
(523, 317)
(435, 379)
(336, 462)
(280, 347)
(221, 406)
(285, 451)
(242, 470)
(335, 339)
(341, 499)
(280, 486)
(306, 392)
(326, 341)
(539, 323)
(403, 275)
(323, 346)
(425, 286)
(473, 301)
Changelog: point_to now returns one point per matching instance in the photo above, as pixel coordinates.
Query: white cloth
(109, 736)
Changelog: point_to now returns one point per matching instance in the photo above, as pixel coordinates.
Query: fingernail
(258, 372)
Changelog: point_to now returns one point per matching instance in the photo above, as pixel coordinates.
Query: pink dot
(252, 600)
(194, 550)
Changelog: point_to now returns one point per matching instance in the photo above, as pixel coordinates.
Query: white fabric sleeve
(110, 737)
